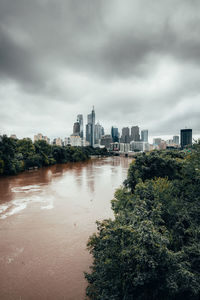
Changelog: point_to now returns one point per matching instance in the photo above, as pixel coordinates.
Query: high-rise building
(176, 139)
(97, 133)
(115, 134)
(186, 137)
(80, 120)
(144, 135)
(135, 136)
(90, 128)
(76, 129)
(125, 138)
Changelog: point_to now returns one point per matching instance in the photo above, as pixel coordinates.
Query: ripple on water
(19, 204)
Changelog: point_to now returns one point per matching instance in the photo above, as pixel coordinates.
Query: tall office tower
(135, 136)
(80, 120)
(76, 128)
(186, 137)
(114, 134)
(125, 138)
(90, 128)
(102, 131)
(97, 133)
(144, 135)
(176, 139)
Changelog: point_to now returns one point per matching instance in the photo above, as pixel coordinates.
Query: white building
(75, 141)
(66, 141)
(41, 137)
(124, 147)
(139, 146)
(57, 141)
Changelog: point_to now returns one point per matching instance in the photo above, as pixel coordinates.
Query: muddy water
(46, 217)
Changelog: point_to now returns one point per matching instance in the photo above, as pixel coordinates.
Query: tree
(151, 249)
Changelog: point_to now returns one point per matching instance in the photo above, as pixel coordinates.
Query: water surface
(46, 217)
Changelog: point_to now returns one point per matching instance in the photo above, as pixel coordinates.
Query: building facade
(106, 140)
(186, 137)
(76, 128)
(80, 121)
(139, 146)
(144, 135)
(125, 137)
(90, 127)
(115, 134)
(176, 139)
(135, 135)
(75, 141)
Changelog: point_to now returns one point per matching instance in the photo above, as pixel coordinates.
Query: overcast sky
(136, 61)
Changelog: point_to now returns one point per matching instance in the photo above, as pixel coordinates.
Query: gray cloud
(138, 62)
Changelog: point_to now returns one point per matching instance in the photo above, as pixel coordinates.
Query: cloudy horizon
(137, 62)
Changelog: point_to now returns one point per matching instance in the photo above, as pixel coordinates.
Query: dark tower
(186, 137)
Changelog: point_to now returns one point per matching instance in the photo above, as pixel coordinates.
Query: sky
(136, 61)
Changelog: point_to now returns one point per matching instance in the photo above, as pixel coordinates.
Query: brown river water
(46, 217)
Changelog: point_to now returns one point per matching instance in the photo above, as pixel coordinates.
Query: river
(46, 217)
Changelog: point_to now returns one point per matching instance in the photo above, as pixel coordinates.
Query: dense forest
(17, 155)
(151, 249)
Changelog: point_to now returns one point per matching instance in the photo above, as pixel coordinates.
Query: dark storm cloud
(132, 59)
(84, 35)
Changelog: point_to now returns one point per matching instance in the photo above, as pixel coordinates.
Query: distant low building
(41, 137)
(115, 146)
(13, 136)
(139, 146)
(66, 141)
(162, 145)
(124, 147)
(75, 141)
(57, 141)
(157, 141)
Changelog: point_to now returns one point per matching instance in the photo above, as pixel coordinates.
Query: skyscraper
(90, 128)
(114, 134)
(97, 133)
(186, 137)
(135, 136)
(76, 129)
(144, 136)
(125, 138)
(80, 120)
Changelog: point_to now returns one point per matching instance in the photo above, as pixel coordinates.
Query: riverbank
(19, 155)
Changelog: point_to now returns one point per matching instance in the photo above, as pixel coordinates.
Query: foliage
(151, 249)
(18, 155)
